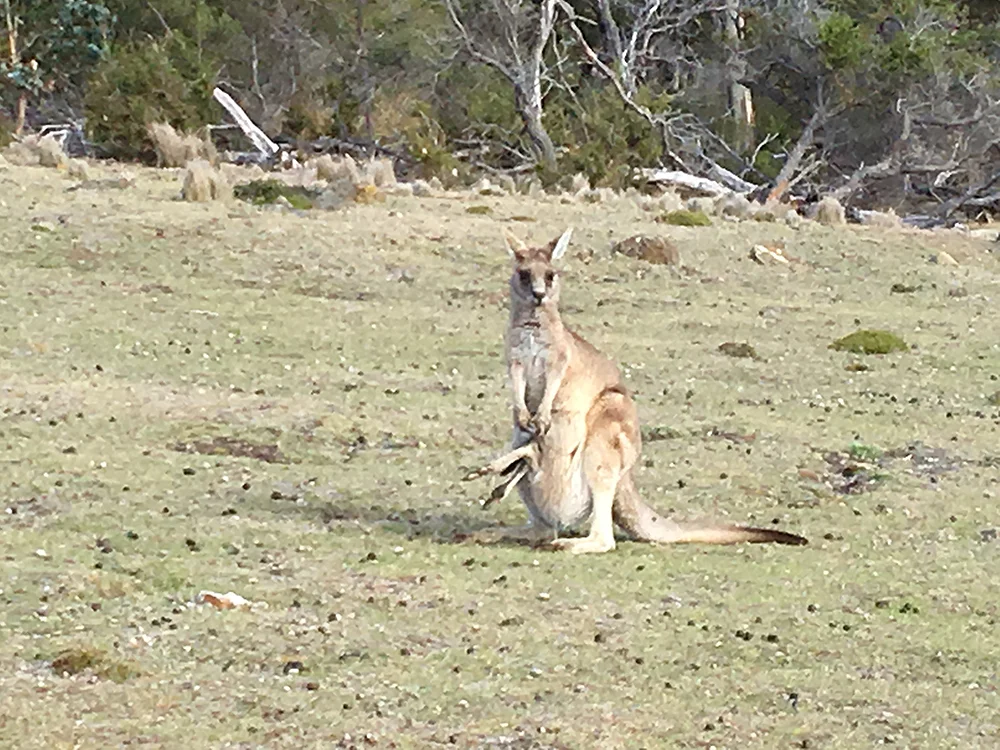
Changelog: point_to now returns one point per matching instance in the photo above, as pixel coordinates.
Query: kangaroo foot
(585, 545)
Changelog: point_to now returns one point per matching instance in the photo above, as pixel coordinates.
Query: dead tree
(510, 36)
(740, 97)
(631, 53)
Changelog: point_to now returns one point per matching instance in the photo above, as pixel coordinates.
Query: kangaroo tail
(646, 524)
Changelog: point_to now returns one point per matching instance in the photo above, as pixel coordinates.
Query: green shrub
(141, 83)
(262, 192)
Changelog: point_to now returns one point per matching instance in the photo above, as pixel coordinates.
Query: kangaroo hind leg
(609, 453)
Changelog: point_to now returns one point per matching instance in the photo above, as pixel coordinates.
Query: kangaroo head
(535, 279)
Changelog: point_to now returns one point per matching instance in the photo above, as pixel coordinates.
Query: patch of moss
(72, 661)
(685, 218)
(75, 660)
(870, 342)
(993, 399)
(741, 349)
(904, 288)
(479, 210)
(264, 192)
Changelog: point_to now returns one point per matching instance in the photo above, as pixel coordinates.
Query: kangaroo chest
(531, 346)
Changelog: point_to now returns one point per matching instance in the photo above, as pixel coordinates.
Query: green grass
(218, 397)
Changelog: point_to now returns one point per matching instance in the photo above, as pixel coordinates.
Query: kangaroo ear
(515, 247)
(560, 245)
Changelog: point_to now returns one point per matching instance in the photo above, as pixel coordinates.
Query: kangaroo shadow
(333, 510)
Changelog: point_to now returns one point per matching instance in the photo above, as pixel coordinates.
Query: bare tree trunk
(612, 39)
(799, 150)
(368, 92)
(519, 57)
(15, 58)
(22, 113)
(740, 97)
(531, 114)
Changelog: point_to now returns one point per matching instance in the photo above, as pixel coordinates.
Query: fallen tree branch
(971, 197)
(257, 137)
(685, 181)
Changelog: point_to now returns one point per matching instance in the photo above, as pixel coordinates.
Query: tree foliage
(592, 86)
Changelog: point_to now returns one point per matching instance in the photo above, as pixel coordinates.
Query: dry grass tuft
(176, 149)
(51, 154)
(204, 183)
(337, 169)
(829, 211)
(380, 173)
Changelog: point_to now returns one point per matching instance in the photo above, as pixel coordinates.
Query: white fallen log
(685, 182)
(730, 179)
(257, 136)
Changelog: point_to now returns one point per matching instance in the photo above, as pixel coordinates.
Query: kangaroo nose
(539, 294)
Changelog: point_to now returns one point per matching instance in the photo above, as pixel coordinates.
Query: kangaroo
(576, 436)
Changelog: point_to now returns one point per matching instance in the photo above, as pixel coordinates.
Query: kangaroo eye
(525, 277)
(549, 277)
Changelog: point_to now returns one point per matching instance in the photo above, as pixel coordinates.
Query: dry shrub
(670, 201)
(377, 172)
(203, 183)
(599, 195)
(23, 153)
(337, 170)
(829, 211)
(51, 154)
(176, 149)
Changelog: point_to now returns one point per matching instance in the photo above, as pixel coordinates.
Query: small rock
(77, 169)
(990, 235)
(773, 211)
(735, 206)
(423, 189)
(229, 600)
(880, 219)
(41, 553)
(656, 250)
(401, 189)
(943, 259)
(773, 253)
